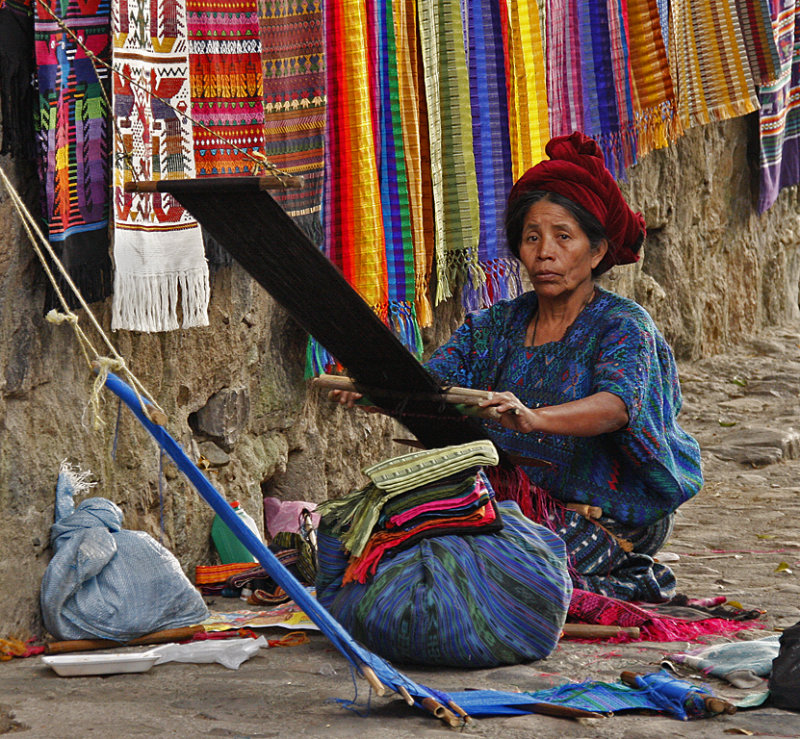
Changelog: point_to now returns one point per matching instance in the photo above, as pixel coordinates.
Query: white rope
(101, 364)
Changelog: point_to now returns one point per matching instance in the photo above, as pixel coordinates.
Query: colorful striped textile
(528, 115)
(225, 78)
(293, 66)
(755, 18)
(496, 275)
(564, 58)
(400, 256)
(210, 574)
(655, 118)
(462, 601)
(353, 222)
(72, 130)
(779, 115)
(455, 188)
(158, 248)
(414, 125)
(710, 69)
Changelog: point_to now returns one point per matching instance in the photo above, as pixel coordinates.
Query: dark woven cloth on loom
(461, 600)
(17, 98)
(72, 128)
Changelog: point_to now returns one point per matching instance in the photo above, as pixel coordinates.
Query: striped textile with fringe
(455, 188)
(656, 118)
(779, 115)
(293, 66)
(496, 275)
(529, 119)
(393, 176)
(225, 77)
(564, 80)
(619, 50)
(158, 247)
(712, 73)
(72, 132)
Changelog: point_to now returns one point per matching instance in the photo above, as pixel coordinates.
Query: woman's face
(556, 251)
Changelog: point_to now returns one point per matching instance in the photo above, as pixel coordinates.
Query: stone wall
(713, 273)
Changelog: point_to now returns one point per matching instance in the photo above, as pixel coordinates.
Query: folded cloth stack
(422, 566)
(413, 497)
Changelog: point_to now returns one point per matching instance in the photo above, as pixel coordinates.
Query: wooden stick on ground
(599, 631)
(713, 704)
(370, 676)
(88, 645)
(438, 710)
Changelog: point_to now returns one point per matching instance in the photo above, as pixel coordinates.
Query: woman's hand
(350, 398)
(601, 413)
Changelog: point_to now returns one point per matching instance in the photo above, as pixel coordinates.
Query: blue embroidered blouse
(638, 474)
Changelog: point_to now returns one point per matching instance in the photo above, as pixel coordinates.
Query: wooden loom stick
(265, 182)
(405, 695)
(599, 631)
(157, 637)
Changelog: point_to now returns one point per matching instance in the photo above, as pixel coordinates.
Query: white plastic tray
(70, 665)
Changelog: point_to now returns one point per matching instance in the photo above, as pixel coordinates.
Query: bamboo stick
(712, 703)
(370, 676)
(438, 710)
(405, 695)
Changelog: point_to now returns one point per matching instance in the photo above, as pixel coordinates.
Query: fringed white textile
(158, 248)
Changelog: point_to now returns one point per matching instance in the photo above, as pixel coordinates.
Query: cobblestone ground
(738, 538)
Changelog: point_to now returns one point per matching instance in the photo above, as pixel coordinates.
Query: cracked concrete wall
(713, 273)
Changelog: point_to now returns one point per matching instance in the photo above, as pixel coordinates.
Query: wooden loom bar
(157, 637)
(267, 182)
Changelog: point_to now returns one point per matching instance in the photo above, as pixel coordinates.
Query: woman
(582, 378)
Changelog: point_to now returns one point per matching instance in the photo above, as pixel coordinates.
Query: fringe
(150, 302)
(402, 319)
(92, 281)
(501, 281)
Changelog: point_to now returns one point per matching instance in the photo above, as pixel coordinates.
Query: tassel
(17, 101)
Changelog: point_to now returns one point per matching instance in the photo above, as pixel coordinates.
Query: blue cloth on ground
(106, 582)
(743, 664)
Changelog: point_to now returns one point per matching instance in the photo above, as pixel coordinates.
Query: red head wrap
(577, 171)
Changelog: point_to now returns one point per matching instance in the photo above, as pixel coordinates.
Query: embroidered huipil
(638, 474)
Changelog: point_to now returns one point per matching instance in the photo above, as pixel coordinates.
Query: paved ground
(738, 538)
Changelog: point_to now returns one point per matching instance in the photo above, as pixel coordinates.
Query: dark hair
(518, 209)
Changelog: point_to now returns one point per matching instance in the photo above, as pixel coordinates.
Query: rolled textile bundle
(475, 600)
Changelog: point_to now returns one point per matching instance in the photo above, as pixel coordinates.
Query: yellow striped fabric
(529, 121)
(655, 108)
(711, 70)
(455, 186)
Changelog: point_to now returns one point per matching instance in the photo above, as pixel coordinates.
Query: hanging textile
(293, 66)
(414, 126)
(17, 65)
(656, 111)
(755, 18)
(564, 84)
(779, 115)
(529, 123)
(392, 172)
(709, 63)
(619, 51)
(601, 119)
(496, 275)
(455, 189)
(73, 138)
(158, 249)
(225, 78)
